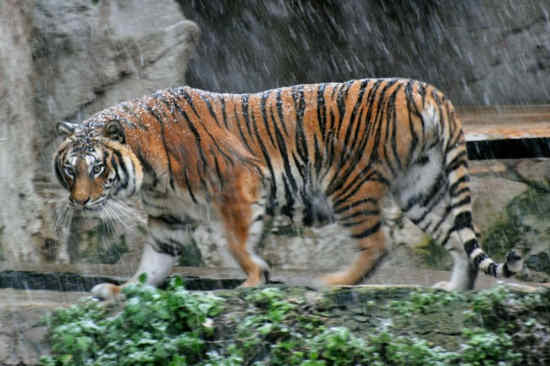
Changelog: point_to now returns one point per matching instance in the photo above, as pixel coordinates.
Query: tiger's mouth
(90, 207)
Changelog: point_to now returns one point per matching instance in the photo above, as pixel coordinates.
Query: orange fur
(348, 144)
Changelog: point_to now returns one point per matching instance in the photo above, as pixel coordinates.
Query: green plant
(153, 328)
(488, 348)
(279, 326)
(425, 302)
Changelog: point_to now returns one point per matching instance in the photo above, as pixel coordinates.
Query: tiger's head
(95, 164)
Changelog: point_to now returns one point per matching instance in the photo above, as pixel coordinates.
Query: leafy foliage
(274, 326)
(154, 328)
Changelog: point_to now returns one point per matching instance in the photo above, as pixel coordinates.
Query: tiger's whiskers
(64, 217)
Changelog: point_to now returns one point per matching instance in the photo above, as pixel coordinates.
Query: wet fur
(315, 153)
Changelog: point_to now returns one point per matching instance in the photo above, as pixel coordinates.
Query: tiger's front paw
(107, 291)
(444, 285)
(336, 279)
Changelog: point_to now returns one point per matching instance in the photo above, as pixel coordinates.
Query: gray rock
(63, 61)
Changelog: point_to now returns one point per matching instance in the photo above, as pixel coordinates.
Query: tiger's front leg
(243, 215)
(160, 253)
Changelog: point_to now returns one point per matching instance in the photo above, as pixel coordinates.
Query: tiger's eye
(69, 170)
(98, 169)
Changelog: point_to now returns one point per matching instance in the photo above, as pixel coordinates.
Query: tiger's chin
(96, 207)
(113, 213)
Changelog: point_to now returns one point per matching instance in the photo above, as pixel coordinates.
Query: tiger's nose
(81, 201)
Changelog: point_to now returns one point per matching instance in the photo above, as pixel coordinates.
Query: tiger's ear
(114, 131)
(65, 129)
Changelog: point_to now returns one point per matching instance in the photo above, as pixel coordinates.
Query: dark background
(478, 52)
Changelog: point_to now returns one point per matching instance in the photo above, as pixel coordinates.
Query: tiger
(312, 153)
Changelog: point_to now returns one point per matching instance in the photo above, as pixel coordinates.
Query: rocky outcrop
(19, 204)
(64, 61)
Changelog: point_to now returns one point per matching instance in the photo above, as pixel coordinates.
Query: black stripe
(202, 180)
(349, 206)
(263, 148)
(443, 218)
(464, 201)
(353, 126)
(182, 92)
(459, 157)
(188, 184)
(460, 191)
(454, 186)
(210, 109)
(393, 114)
(318, 155)
(224, 113)
(172, 248)
(122, 166)
(463, 220)
(479, 258)
(470, 246)
(265, 153)
(353, 187)
(288, 208)
(244, 106)
(437, 186)
(241, 132)
(218, 171)
(368, 232)
(359, 213)
(341, 105)
(280, 110)
(300, 137)
(166, 148)
(384, 105)
(60, 157)
(197, 135)
(147, 168)
(321, 110)
(263, 109)
(284, 154)
(174, 222)
(411, 108)
(492, 269)
(227, 157)
(429, 208)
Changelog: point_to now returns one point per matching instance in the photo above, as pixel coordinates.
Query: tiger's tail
(456, 166)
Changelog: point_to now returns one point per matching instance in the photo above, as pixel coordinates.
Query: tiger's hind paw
(513, 265)
(256, 280)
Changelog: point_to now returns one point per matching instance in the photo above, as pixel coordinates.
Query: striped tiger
(317, 153)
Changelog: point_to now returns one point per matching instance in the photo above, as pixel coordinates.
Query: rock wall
(63, 61)
(478, 52)
(19, 204)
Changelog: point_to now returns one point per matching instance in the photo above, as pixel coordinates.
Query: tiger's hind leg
(360, 214)
(424, 195)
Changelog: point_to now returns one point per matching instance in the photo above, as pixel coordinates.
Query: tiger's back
(317, 153)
